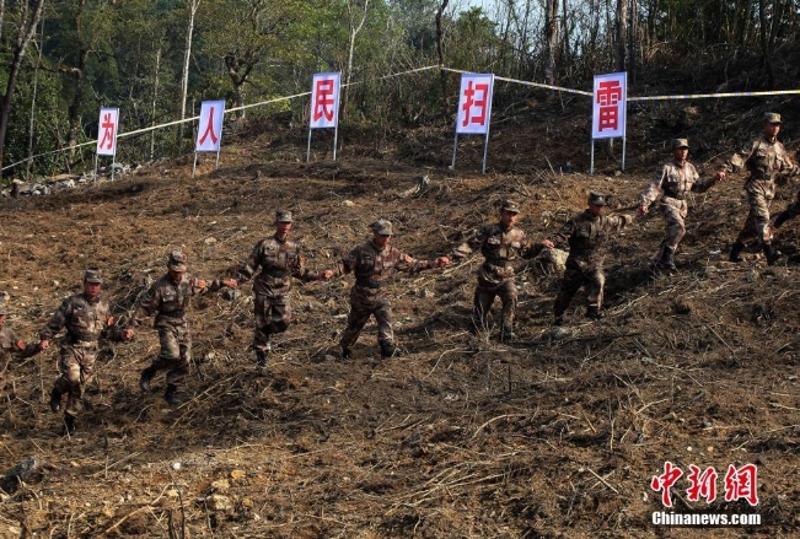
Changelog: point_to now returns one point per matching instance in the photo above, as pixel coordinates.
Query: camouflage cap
(680, 143)
(772, 118)
(93, 276)
(382, 227)
(283, 216)
(509, 206)
(597, 199)
(177, 261)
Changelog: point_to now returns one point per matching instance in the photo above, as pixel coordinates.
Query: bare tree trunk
(32, 124)
(633, 37)
(2, 16)
(621, 41)
(765, 48)
(439, 50)
(28, 23)
(354, 30)
(193, 5)
(550, 40)
(155, 102)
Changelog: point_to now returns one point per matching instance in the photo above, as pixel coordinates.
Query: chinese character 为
(209, 132)
(609, 94)
(108, 132)
(665, 481)
(470, 102)
(742, 483)
(703, 485)
(324, 99)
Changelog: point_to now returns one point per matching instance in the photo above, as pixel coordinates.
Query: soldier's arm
(251, 266)
(788, 166)
(303, 273)
(21, 349)
(147, 307)
(413, 265)
(561, 239)
(652, 191)
(472, 244)
(704, 184)
(618, 222)
(531, 249)
(739, 160)
(348, 262)
(56, 323)
(202, 286)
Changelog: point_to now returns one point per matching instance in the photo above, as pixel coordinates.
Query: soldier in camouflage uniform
(273, 262)
(373, 263)
(86, 318)
(168, 299)
(791, 211)
(586, 235)
(669, 187)
(10, 343)
(765, 159)
(501, 244)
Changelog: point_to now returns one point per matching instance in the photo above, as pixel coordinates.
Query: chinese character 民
(470, 103)
(324, 99)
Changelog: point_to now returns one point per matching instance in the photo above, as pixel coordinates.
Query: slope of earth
(551, 435)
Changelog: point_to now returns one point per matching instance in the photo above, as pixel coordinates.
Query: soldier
(791, 211)
(10, 344)
(168, 299)
(765, 159)
(586, 236)
(86, 319)
(373, 263)
(670, 187)
(276, 260)
(501, 245)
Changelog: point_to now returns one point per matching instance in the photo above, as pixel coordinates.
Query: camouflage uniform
(86, 321)
(501, 247)
(372, 268)
(275, 261)
(586, 235)
(10, 344)
(168, 301)
(765, 159)
(670, 188)
(791, 211)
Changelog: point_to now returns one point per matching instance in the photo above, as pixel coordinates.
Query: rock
(238, 475)
(219, 503)
(559, 333)
(211, 240)
(248, 503)
(330, 357)
(348, 203)
(176, 466)
(682, 306)
(220, 485)
(551, 260)
(28, 470)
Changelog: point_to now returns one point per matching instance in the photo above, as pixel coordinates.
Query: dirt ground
(549, 436)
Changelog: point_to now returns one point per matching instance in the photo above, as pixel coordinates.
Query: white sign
(209, 130)
(475, 104)
(324, 100)
(609, 100)
(107, 128)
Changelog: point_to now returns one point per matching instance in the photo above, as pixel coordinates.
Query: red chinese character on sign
(108, 132)
(470, 102)
(324, 99)
(665, 481)
(703, 485)
(209, 132)
(742, 483)
(608, 96)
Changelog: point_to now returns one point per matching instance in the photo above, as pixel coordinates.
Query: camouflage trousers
(360, 311)
(759, 196)
(176, 351)
(485, 294)
(76, 368)
(579, 275)
(272, 315)
(675, 212)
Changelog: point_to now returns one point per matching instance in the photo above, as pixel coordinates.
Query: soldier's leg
(570, 284)
(68, 382)
(179, 367)
(261, 335)
(508, 295)
(383, 316)
(596, 285)
(280, 314)
(750, 230)
(762, 223)
(356, 320)
(482, 306)
(674, 215)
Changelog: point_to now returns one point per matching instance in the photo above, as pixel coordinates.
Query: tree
(193, 5)
(550, 40)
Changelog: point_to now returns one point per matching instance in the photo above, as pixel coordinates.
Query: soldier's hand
(199, 283)
(127, 334)
(231, 283)
(326, 275)
(21, 345)
(548, 244)
(44, 344)
(641, 211)
(721, 175)
(442, 261)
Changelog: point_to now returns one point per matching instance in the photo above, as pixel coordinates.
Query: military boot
(55, 399)
(171, 395)
(346, 353)
(736, 252)
(594, 313)
(771, 253)
(70, 424)
(507, 334)
(667, 260)
(388, 350)
(145, 378)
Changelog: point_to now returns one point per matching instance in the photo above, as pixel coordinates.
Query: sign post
(609, 115)
(324, 111)
(474, 113)
(107, 130)
(209, 130)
